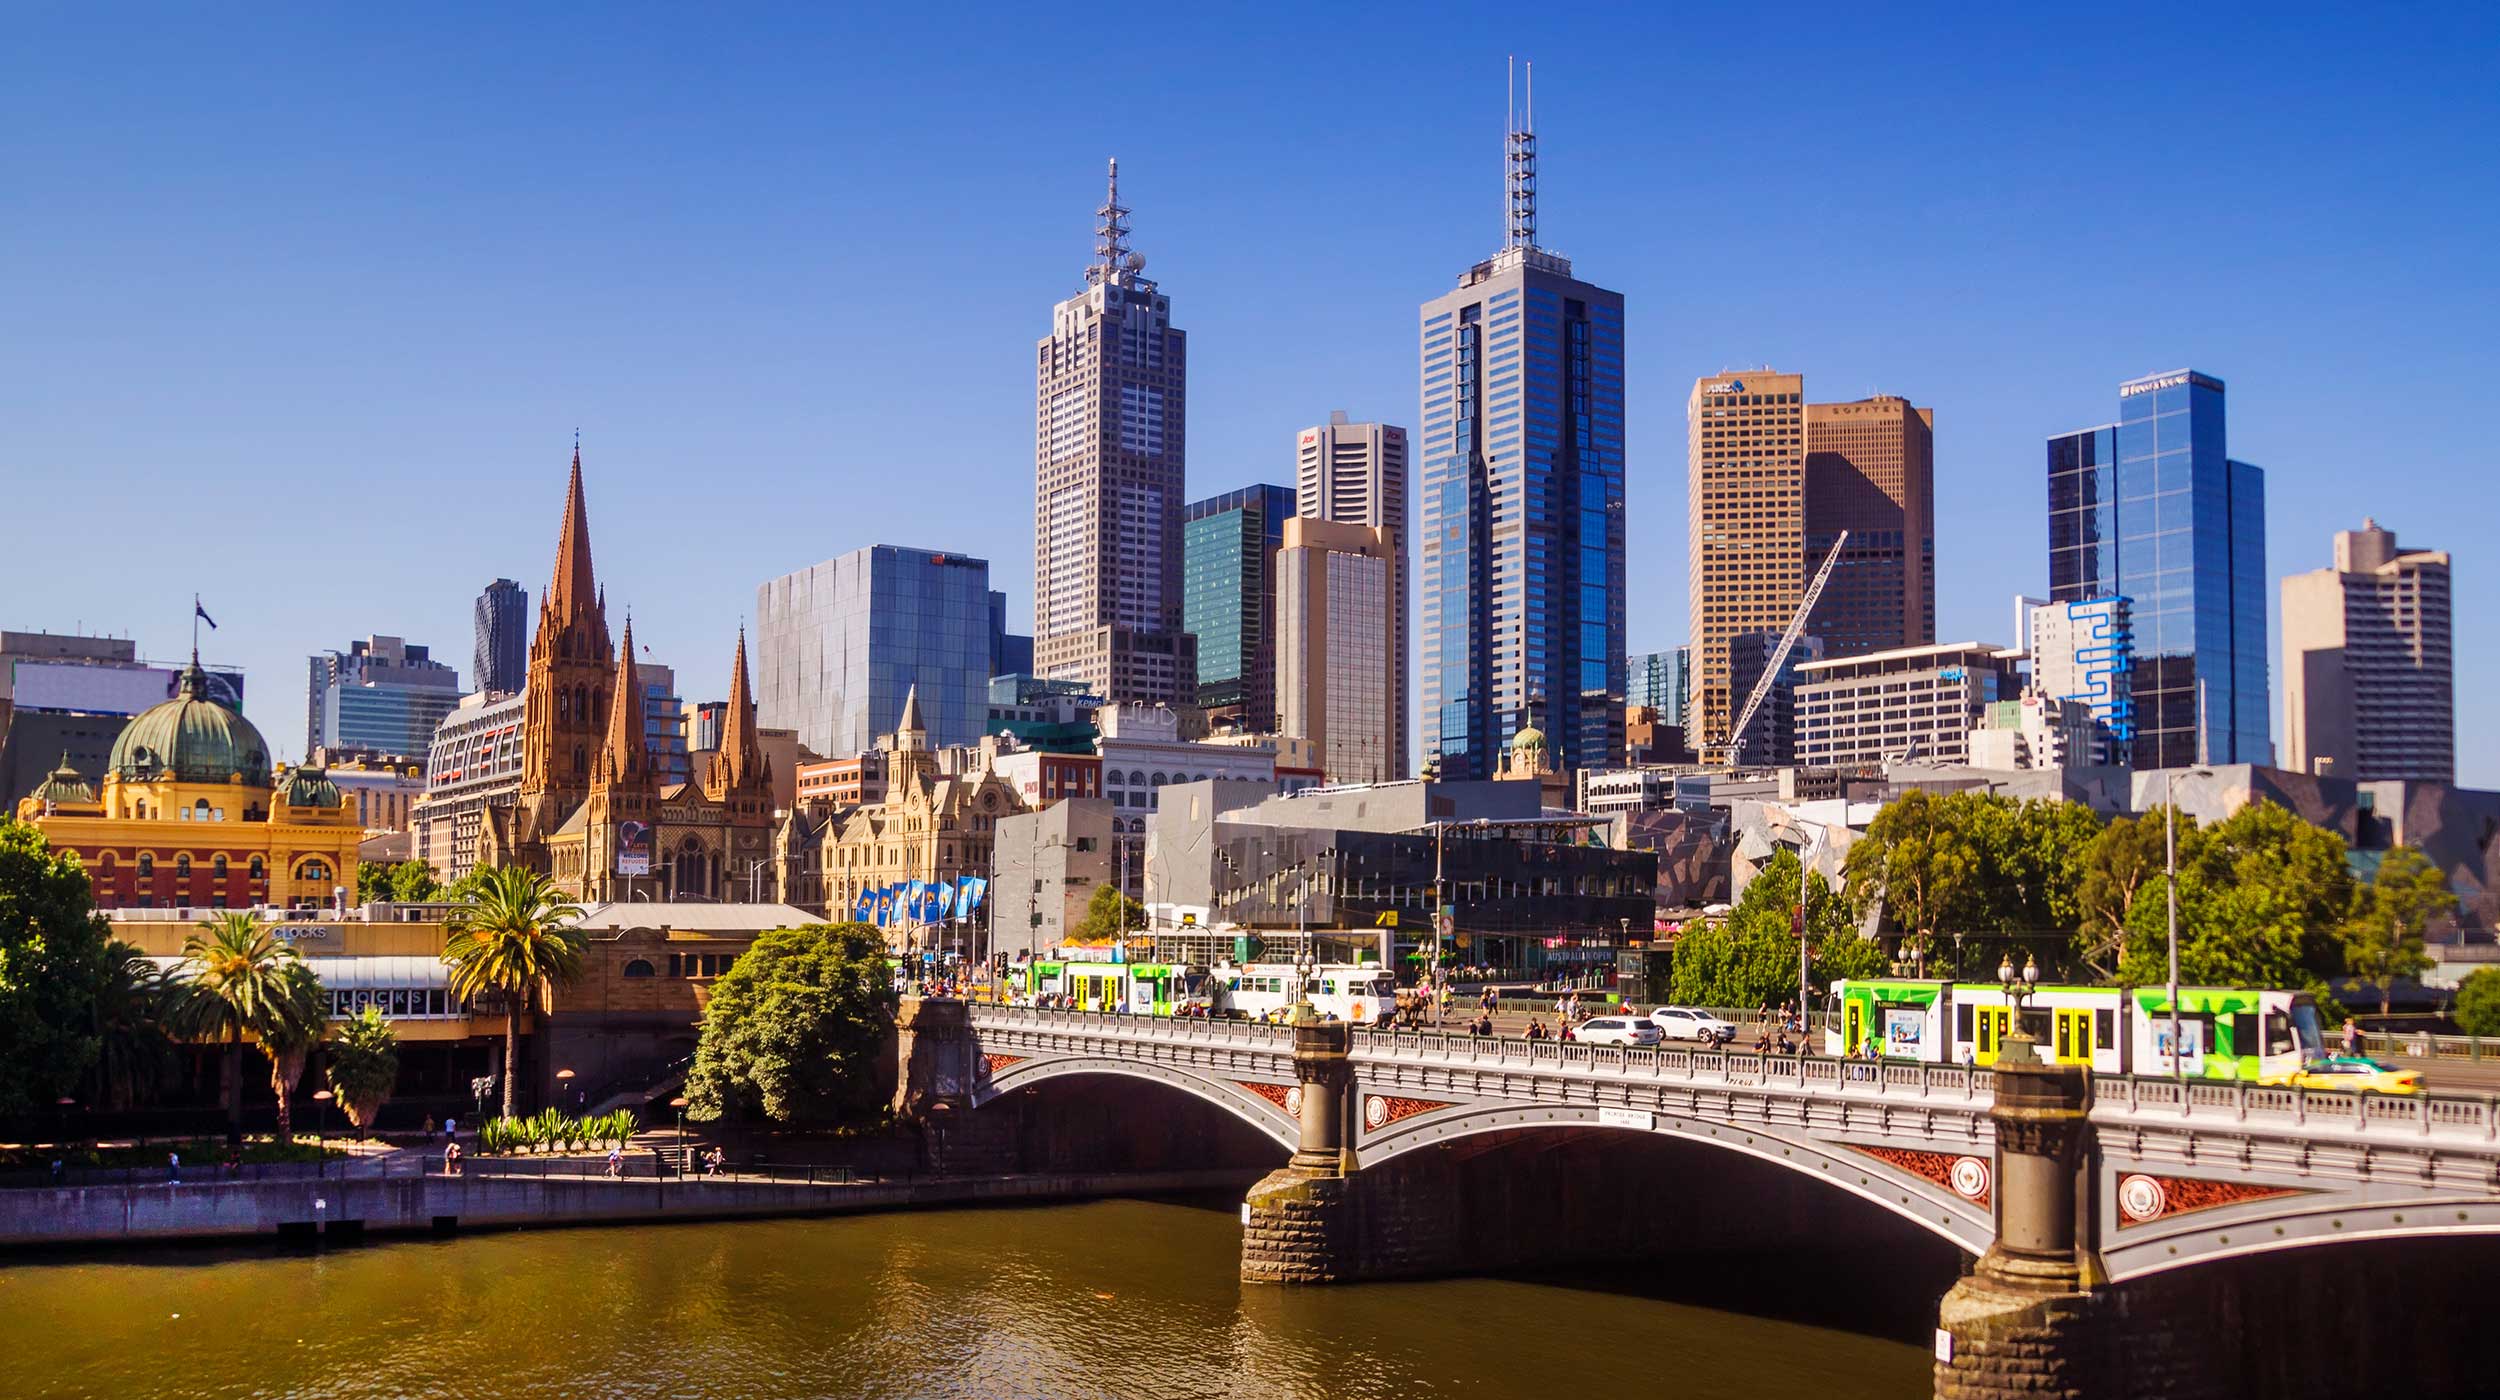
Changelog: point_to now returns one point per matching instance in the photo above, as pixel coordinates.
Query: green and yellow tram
(2223, 1032)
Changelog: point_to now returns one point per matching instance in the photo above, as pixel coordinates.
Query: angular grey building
(502, 659)
(1349, 473)
(1110, 410)
(1522, 560)
(840, 644)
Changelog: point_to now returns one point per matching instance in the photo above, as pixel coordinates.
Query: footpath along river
(1127, 1299)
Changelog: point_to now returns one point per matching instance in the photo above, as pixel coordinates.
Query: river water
(1110, 1299)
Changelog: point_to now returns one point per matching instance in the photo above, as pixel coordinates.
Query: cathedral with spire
(594, 812)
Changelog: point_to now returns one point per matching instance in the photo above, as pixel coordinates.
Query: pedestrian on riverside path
(2352, 1035)
(173, 1169)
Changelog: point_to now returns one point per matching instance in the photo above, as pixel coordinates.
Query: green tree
(287, 1037)
(132, 1001)
(2264, 843)
(2263, 898)
(1750, 958)
(2478, 1002)
(796, 1028)
(235, 981)
(2390, 919)
(52, 962)
(2127, 854)
(1918, 861)
(514, 938)
(409, 882)
(1108, 915)
(362, 1065)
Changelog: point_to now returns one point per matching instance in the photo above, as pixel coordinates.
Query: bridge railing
(1808, 1073)
(2447, 1115)
(2423, 1045)
(1118, 1022)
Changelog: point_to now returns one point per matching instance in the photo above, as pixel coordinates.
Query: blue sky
(301, 309)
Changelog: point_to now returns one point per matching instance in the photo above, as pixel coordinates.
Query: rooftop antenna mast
(1111, 251)
(1519, 160)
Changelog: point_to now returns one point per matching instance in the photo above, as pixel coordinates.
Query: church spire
(626, 756)
(572, 589)
(741, 751)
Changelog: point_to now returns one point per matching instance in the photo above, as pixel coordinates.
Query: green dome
(191, 739)
(64, 787)
(1530, 737)
(310, 787)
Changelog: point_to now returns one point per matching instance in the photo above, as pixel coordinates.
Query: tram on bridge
(1258, 991)
(2223, 1032)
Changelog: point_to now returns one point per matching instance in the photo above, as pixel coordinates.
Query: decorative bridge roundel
(1969, 1178)
(2142, 1198)
(1293, 1102)
(1375, 1112)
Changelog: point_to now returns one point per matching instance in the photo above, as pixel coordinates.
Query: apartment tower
(502, 623)
(1355, 474)
(1871, 471)
(1228, 601)
(2369, 685)
(1109, 404)
(1746, 560)
(1522, 529)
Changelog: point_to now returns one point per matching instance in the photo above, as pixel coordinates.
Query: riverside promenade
(395, 1196)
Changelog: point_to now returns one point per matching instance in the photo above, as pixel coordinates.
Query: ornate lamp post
(2019, 989)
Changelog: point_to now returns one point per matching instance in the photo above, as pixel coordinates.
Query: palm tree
(131, 1002)
(363, 1066)
(234, 983)
(294, 1026)
(514, 937)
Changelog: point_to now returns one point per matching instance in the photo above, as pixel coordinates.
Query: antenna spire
(1111, 251)
(1519, 161)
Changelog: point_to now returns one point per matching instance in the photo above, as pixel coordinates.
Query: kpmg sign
(1725, 386)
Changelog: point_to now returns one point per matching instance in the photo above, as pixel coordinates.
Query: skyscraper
(2369, 681)
(663, 721)
(1228, 601)
(1335, 668)
(1871, 470)
(1011, 653)
(1522, 575)
(1746, 563)
(1771, 739)
(1661, 681)
(381, 696)
(1355, 474)
(2152, 508)
(841, 644)
(503, 639)
(1110, 399)
(2083, 653)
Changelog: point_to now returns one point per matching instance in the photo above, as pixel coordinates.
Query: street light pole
(2170, 883)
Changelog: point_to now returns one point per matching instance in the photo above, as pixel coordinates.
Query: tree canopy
(1967, 878)
(362, 1065)
(514, 937)
(796, 1028)
(1108, 915)
(409, 882)
(1750, 958)
(54, 963)
(2391, 916)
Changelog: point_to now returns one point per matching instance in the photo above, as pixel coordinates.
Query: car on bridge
(2357, 1074)
(1615, 1030)
(1686, 1023)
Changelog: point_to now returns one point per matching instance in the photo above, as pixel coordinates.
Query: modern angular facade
(1011, 653)
(1349, 473)
(1661, 681)
(1746, 515)
(1110, 401)
(379, 696)
(1871, 471)
(2083, 654)
(2369, 680)
(502, 621)
(2152, 508)
(1336, 667)
(1228, 601)
(841, 645)
(1520, 582)
(663, 722)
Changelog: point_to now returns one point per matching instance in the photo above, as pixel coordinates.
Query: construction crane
(1725, 751)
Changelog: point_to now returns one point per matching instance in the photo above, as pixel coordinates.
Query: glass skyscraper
(380, 696)
(1228, 600)
(840, 645)
(2153, 509)
(1662, 681)
(1521, 509)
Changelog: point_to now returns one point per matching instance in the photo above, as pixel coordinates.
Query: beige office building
(1355, 474)
(1337, 672)
(1871, 470)
(1746, 560)
(1110, 397)
(2369, 686)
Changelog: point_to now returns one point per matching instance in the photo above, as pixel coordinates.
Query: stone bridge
(2086, 1201)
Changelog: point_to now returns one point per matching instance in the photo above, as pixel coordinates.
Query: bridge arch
(1261, 1113)
(2295, 1225)
(1966, 1224)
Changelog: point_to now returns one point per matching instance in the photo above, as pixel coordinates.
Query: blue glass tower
(2153, 508)
(1521, 514)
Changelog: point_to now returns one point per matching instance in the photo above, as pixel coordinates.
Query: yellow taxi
(2356, 1073)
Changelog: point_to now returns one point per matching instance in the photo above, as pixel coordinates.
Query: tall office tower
(2083, 652)
(381, 695)
(2369, 686)
(1110, 394)
(1746, 564)
(1228, 601)
(1336, 672)
(1771, 737)
(1661, 681)
(663, 722)
(1521, 571)
(841, 645)
(1011, 653)
(2151, 508)
(502, 660)
(1871, 470)
(1355, 474)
